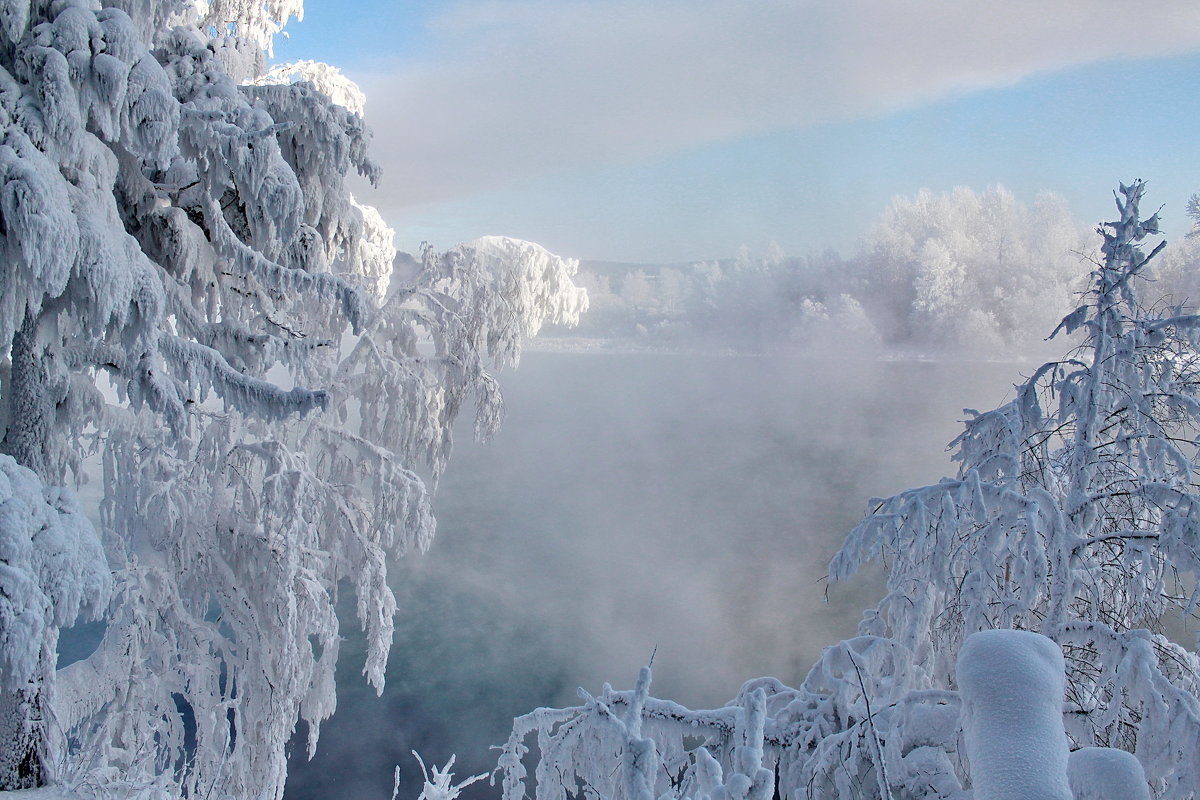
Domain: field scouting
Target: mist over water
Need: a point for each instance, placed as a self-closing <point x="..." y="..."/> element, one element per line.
<point x="632" y="504"/>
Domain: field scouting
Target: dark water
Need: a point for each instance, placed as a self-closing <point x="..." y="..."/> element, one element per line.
<point x="681" y="505"/>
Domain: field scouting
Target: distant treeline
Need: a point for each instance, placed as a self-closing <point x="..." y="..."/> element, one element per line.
<point x="973" y="273"/>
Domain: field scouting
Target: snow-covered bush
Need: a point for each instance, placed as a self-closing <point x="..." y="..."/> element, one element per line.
<point x="192" y="298"/>
<point x="1073" y="515"/>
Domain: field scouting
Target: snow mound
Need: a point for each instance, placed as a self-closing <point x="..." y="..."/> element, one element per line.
<point x="1012" y="690"/>
<point x="1099" y="773"/>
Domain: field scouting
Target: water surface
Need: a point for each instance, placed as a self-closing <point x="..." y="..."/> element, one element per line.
<point x="633" y="504"/>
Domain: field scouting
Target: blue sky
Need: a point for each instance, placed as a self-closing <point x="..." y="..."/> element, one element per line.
<point x="683" y="129"/>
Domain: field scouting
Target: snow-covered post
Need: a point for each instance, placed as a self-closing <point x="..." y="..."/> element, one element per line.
<point x="1012" y="690"/>
<point x="752" y="781"/>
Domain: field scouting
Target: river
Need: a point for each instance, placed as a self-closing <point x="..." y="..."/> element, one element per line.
<point x="637" y="504"/>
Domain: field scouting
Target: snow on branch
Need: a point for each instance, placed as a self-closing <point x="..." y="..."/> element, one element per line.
<point x="172" y="234"/>
<point x="199" y="367"/>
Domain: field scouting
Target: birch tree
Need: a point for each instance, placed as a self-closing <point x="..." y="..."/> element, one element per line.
<point x="193" y="299"/>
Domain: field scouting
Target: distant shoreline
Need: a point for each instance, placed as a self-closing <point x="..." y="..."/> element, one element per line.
<point x="587" y="345"/>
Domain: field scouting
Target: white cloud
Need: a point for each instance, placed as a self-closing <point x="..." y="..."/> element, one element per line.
<point x="520" y="89"/>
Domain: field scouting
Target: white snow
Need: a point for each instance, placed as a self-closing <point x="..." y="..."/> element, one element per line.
<point x="1012" y="690"/>
<point x="52" y="570"/>
<point x="177" y="234"/>
<point x="1105" y="773"/>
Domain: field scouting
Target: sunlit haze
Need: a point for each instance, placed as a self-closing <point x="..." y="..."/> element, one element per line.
<point x="679" y="131"/>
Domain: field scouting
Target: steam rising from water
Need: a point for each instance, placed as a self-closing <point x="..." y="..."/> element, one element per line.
<point x="687" y="504"/>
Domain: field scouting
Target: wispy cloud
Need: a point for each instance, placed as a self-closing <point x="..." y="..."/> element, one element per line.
<point x="517" y="89"/>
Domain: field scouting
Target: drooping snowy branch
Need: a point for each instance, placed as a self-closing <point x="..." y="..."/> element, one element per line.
<point x="194" y="297"/>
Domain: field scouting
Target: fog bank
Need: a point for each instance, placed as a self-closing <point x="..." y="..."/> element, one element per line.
<point x="634" y="504"/>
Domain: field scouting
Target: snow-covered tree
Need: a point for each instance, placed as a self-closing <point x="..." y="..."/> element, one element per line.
<point x="1176" y="272"/>
<point x="52" y="570"/>
<point x="970" y="270"/>
<point x="193" y="300"/>
<point x="1073" y="515"/>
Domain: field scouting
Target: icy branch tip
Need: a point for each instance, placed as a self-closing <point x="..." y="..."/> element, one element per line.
<point x="440" y="786"/>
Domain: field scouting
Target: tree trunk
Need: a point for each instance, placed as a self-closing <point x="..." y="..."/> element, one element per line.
<point x="29" y="408"/>
<point x="23" y="732"/>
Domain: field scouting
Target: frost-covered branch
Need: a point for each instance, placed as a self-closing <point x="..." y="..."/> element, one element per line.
<point x="173" y="235"/>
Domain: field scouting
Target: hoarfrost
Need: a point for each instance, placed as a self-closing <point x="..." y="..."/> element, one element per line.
<point x="189" y="242"/>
